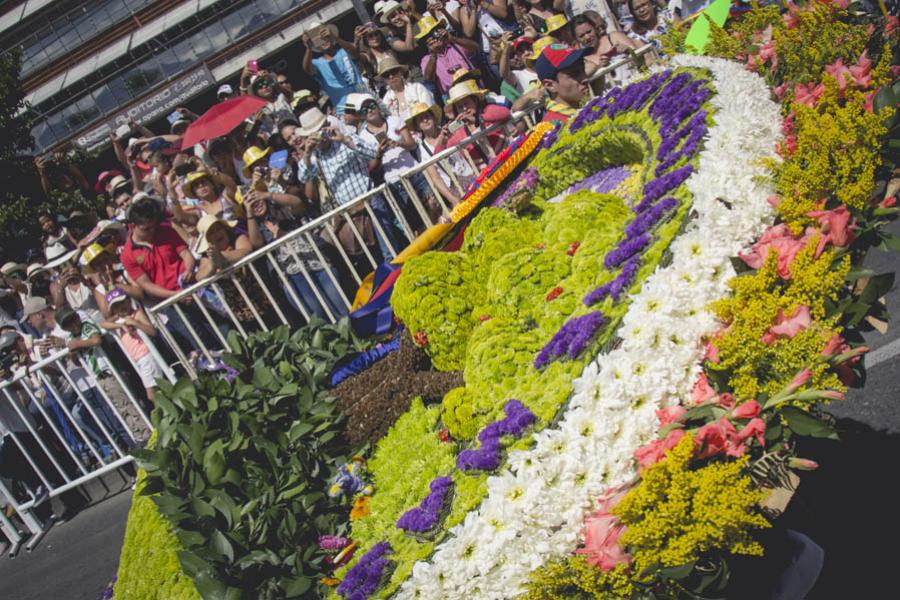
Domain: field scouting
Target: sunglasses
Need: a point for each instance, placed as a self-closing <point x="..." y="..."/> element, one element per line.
<point x="367" y="108"/>
<point x="264" y="83"/>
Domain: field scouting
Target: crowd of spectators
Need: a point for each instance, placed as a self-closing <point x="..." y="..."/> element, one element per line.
<point x="417" y="79"/>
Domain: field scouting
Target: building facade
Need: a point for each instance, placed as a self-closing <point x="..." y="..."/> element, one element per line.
<point x="89" y="66"/>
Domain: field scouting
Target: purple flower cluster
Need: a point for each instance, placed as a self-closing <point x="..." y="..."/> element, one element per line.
<point x="571" y="338"/>
<point x="487" y="457"/>
<point x="636" y="95"/>
<point x="628" y="247"/>
<point x="602" y="181"/>
<point x="669" y="153"/>
<point x="647" y="220"/>
<point x="527" y="179"/>
<point x="332" y="542"/>
<point x="425" y="517"/>
<point x="593" y="110"/>
<point x="663" y="185"/>
<point x="551" y="136"/>
<point x="365" y="577"/>
<point x="617" y="286"/>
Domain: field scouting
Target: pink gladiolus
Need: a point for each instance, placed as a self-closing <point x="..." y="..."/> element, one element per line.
<point x="655" y="451"/>
<point x="711" y="353"/>
<point x="747" y="410"/>
<point x="836" y="345"/>
<point x="869" y="105"/>
<point x="755" y="428"/>
<point x="774" y="200"/>
<point x="725" y="400"/>
<point x="783" y="242"/>
<point x="861" y="71"/>
<point x="718" y="438"/>
<point x="781" y="90"/>
<point x="833" y="395"/>
<point x="808" y="94"/>
<point x="702" y="392"/>
<point x="888" y="202"/>
<point x="891" y="24"/>
<point x="670" y="415"/>
<point x="788" y="327"/>
<point x="790" y="18"/>
<point x="836" y="225"/>
<point x="839" y="71"/>
<point x="602" y="532"/>
<point x="799" y="380"/>
<point x="804" y="464"/>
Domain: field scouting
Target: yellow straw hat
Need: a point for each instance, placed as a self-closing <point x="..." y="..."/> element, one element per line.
<point x="252" y="155"/>
<point x="191" y="179"/>
<point x="93" y="251"/>
<point x="462" y="73"/>
<point x="420" y="108"/>
<point x="206" y="223"/>
<point x="464" y="89"/>
<point x="426" y="25"/>
<point x="538" y="47"/>
<point x="556" y="22"/>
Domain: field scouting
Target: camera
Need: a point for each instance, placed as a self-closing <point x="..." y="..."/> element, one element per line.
<point x="455" y="126"/>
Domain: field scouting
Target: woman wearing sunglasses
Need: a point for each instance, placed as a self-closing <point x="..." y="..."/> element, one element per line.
<point x="265" y="86"/>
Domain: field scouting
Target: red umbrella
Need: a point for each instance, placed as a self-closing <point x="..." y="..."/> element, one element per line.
<point x="221" y="119"/>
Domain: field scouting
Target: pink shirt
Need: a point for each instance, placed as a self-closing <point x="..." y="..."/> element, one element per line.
<point x="133" y="344"/>
<point x="449" y="62"/>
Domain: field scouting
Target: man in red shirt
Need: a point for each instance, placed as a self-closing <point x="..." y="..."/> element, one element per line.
<point x="158" y="260"/>
<point x="155" y="256"/>
<point x="561" y="71"/>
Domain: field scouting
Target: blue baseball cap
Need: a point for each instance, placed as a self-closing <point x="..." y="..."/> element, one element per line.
<point x="555" y="58"/>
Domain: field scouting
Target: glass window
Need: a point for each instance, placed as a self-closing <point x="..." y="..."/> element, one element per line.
<point x="213" y="37"/>
<point x="105" y="99"/>
<point x="44" y="137"/>
<point x="139" y="79"/>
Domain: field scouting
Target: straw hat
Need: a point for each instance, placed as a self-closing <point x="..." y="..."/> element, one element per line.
<point x="426" y="25"/>
<point x="538" y="47"/>
<point x="384" y="9"/>
<point x="206" y="223"/>
<point x="420" y="108"/>
<point x="192" y="178"/>
<point x="252" y="155"/>
<point x="389" y="64"/>
<point x="556" y="22"/>
<point x="57" y="254"/>
<point x="464" y="89"/>
<point x="117" y="182"/>
<point x="299" y="96"/>
<point x="462" y="73"/>
<point x="311" y="122"/>
<point x="313" y="31"/>
<point x="32" y="270"/>
<point x="12" y="267"/>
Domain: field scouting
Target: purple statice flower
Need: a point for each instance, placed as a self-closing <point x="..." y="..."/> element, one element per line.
<point x="487" y="457"/>
<point x="617" y="286"/>
<point x="332" y="542"/>
<point x="663" y="99"/>
<point x="425" y="517"/>
<point x="602" y="181"/>
<point x="662" y="185"/>
<point x="625" y="249"/>
<point x="593" y="110"/>
<point x="550" y="137"/>
<point x="571" y="338"/>
<point x="527" y="179"/>
<point x="669" y="152"/>
<point x="685" y="105"/>
<point x="648" y="219"/>
<point x="365" y="577"/>
<point x="634" y="96"/>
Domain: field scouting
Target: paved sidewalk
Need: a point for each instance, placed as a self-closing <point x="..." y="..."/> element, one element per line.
<point x="74" y="561"/>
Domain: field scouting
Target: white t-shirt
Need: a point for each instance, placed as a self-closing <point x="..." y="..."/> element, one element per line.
<point x="396" y="160"/>
<point x="525" y="79"/>
<point x="412" y="92"/>
<point x="489" y="27"/>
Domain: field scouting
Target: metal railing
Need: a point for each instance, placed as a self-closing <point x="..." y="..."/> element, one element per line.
<point x="70" y="426"/>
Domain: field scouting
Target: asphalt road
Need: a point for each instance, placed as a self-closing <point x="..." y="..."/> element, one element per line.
<point x="74" y="561"/>
<point x="847" y="505"/>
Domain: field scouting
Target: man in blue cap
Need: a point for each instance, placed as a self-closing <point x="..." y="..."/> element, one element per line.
<point x="560" y="69"/>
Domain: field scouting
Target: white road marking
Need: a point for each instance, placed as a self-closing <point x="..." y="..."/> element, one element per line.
<point x="882" y="354"/>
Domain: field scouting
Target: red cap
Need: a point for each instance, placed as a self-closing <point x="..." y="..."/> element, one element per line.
<point x="555" y="58"/>
<point x="522" y="39"/>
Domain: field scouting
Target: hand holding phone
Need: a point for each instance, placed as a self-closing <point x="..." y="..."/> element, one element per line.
<point x="253" y="66"/>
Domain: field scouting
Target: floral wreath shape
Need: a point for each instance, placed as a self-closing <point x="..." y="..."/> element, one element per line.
<point x="658" y="122"/>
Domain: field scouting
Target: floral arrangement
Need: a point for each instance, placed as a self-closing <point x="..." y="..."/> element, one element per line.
<point x="667" y="364"/>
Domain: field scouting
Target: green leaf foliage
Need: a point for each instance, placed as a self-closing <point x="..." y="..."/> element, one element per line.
<point x="242" y="468"/>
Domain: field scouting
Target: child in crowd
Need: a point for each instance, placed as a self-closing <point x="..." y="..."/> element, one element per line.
<point x="128" y="322"/>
